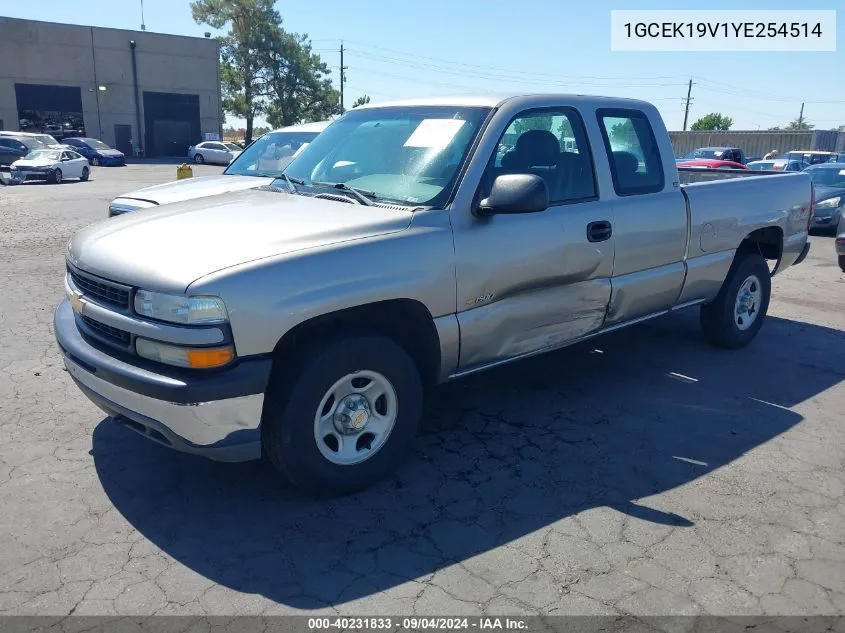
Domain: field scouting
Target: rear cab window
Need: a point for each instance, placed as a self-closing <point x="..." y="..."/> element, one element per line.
<point x="635" y="163"/>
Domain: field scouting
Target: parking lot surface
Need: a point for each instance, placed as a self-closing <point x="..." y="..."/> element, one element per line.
<point x="644" y="473"/>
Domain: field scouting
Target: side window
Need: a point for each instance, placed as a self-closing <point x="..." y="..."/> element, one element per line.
<point x="551" y="144"/>
<point x="635" y="163"/>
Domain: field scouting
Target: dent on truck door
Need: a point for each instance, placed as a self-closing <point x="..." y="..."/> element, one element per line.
<point x="529" y="282"/>
<point x="651" y="220"/>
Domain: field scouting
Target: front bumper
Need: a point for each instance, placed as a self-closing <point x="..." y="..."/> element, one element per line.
<point x="23" y="175"/>
<point x="112" y="161"/>
<point x="215" y="415"/>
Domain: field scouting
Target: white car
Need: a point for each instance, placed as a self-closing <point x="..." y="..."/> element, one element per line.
<point x="52" y="165"/>
<point x="214" y="152"/>
<point x="260" y="163"/>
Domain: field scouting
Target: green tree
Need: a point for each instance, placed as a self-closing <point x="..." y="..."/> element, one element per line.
<point x="798" y="126"/>
<point x="361" y="101"/>
<point x="623" y="135"/>
<point x="297" y="85"/>
<point x="713" y="121"/>
<point x="536" y="122"/>
<point x="253" y="28"/>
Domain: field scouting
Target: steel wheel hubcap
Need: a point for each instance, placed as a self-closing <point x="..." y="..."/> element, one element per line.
<point x="355" y="418"/>
<point x="748" y="301"/>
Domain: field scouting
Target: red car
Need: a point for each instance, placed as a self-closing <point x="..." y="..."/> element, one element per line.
<point x="710" y="163"/>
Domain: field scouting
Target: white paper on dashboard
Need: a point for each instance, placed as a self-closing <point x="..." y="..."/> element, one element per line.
<point x="434" y="133"/>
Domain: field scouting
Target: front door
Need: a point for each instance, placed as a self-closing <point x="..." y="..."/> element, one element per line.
<point x="527" y="283"/>
<point x="123" y="138"/>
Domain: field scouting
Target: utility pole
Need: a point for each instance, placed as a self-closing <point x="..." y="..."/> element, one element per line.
<point x="801" y="116"/>
<point x="342" y="77"/>
<point x="143" y="26"/>
<point x="686" y="109"/>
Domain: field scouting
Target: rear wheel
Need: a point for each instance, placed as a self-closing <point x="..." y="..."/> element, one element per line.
<point x="342" y="418"/>
<point x="198" y="159"/>
<point x="85" y="173"/>
<point x="735" y="316"/>
<point x="95" y="161"/>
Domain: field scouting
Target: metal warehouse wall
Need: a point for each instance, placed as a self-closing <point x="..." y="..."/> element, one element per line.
<point x="46" y="53"/>
<point x="755" y="143"/>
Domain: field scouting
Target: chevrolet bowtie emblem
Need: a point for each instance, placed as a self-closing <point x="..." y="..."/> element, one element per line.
<point x="77" y="303"/>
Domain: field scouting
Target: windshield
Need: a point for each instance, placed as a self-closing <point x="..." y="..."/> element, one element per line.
<point x="47" y="139"/>
<point x="828" y="176"/>
<point x="410" y="155"/>
<point x="705" y="153"/>
<point x="92" y="142"/>
<point x="807" y="158"/>
<point x="41" y="154"/>
<point x="270" y="154"/>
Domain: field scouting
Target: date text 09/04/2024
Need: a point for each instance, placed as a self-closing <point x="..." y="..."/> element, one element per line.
<point x="417" y="624"/>
<point x="724" y="29"/>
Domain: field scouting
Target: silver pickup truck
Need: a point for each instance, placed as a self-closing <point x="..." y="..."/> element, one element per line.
<point x="409" y="244"/>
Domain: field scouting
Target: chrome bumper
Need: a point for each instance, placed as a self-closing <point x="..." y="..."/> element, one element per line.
<point x="225" y="429"/>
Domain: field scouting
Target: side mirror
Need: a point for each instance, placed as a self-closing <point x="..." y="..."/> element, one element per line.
<point x="65" y="159"/>
<point x="515" y="193"/>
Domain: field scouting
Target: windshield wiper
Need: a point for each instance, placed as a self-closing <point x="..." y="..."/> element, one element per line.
<point x="363" y="196"/>
<point x="291" y="182"/>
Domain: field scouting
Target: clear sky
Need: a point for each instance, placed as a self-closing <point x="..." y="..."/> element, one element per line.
<point x="401" y="49"/>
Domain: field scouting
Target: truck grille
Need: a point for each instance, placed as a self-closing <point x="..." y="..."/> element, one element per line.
<point x="108" y="332"/>
<point x="101" y="290"/>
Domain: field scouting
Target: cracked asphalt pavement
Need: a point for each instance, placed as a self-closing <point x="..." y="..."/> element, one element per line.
<point x="643" y="473"/>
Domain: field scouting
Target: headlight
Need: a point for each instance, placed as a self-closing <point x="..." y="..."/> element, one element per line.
<point x="830" y="203"/>
<point x="180" y="309"/>
<point x="196" y="357"/>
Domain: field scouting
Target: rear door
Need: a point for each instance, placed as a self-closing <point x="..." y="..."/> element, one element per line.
<point x="650" y="217"/>
<point x="531" y="282"/>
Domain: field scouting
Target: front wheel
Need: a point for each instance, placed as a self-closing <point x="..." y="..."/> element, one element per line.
<point x="343" y="417"/>
<point x="842" y="262"/>
<point x="735" y="316"/>
<point x="56" y="177"/>
<point x="85" y="173"/>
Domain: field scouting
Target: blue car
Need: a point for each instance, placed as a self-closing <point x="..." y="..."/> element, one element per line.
<point x="97" y="152"/>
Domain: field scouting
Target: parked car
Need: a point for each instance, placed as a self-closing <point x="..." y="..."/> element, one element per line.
<point x="97" y="152"/>
<point x="13" y="148"/>
<point x="711" y="164"/>
<point x="838" y="158"/>
<point x="304" y="318"/>
<point x="262" y="161"/>
<point x="809" y="157"/>
<point x="733" y="154"/>
<point x="52" y="165"/>
<point x="829" y="181"/>
<point x="45" y="139"/>
<point x="213" y="152"/>
<point x="776" y="164"/>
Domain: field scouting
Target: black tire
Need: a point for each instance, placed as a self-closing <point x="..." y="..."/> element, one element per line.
<point x="55" y="177"/>
<point x="294" y="395"/>
<point x="719" y="320"/>
<point x="95" y="161"/>
<point x="198" y="159"/>
<point x="842" y="262"/>
<point x="85" y="174"/>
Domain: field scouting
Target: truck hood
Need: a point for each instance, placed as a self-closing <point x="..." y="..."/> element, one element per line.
<point x="199" y="187"/>
<point x="167" y="248"/>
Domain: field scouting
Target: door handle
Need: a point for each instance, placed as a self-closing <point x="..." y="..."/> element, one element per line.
<point x="599" y="231"/>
